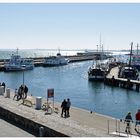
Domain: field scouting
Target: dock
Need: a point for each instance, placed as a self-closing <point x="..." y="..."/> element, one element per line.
<point x="81" y="123"/>
<point x="113" y="80"/>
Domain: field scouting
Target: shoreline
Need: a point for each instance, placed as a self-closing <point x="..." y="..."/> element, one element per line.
<point x="81" y="122"/>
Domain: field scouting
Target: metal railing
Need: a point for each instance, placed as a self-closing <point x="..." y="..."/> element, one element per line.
<point x="118" y="128"/>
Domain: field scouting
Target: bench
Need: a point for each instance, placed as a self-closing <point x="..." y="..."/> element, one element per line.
<point x="27" y="102"/>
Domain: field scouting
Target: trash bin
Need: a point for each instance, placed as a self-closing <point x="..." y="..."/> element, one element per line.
<point x="8" y="92"/>
<point x="38" y="102"/>
<point x="1" y="90"/>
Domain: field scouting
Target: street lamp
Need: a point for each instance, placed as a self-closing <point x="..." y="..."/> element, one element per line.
<point x="23" y="68"/>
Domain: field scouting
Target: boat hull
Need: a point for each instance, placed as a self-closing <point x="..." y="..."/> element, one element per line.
<point x="137" y="67"/>
<point x="10" y="69"/>
<point x="96" y="78"/>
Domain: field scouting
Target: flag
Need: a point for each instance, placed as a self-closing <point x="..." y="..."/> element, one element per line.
<point x="50" y="93"/>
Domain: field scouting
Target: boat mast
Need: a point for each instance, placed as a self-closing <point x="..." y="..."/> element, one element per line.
<point x="17" y="51"/>
<point x="130" y="54"/>
<point x="137" y="48"/>
<point x="101" y="48"/>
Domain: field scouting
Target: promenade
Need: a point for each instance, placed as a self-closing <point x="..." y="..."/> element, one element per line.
<point x="81" y="123"/>
<point x="9" y="130"/>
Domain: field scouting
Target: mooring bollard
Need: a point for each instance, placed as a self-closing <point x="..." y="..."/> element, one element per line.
<point x="41" y="131"/>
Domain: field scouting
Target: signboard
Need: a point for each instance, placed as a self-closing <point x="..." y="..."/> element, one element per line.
<point x="50" y="93"/>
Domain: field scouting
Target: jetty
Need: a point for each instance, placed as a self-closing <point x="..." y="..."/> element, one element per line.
<point x="113" y="80"/>
<point x="38" y="61"/>
<point x="81" y="123"/>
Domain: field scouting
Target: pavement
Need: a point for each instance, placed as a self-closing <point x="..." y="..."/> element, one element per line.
<point x="81" y="123"/>
<point x="9" y="130"/>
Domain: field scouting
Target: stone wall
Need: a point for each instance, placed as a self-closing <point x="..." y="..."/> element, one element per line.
<point x="28" y="125"/>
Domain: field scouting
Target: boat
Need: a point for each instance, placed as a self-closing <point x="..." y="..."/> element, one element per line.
<point x="136" y="60"/>
<point x="16" y="63"/>
<point x="129" y="71"/>
<point x="57" y="60"/>
<point x="97" y="71"/>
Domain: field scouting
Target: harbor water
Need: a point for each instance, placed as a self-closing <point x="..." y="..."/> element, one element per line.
<point x="70" y="81"/>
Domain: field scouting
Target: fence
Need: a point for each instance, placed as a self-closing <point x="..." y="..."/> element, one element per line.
<point x="118" y="128"/>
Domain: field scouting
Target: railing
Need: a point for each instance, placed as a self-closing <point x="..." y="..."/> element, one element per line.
<point x="119" y="127"/>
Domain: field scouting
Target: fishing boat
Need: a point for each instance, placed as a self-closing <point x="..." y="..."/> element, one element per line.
<point x="57" y="60"/>
<point x="16" y="63"/>
<point x="136" y="59"/>
<point x="98" y="69"/>
<point x="97" y="72"/>
<point x="129" y="71"/>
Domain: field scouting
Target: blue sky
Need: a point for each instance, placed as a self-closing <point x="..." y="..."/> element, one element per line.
<point x="69" y="25"/>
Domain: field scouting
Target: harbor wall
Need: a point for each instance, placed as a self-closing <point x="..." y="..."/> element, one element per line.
<point x="28" y="124"/>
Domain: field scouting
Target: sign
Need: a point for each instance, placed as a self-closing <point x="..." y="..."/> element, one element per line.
<point x="50" y="93"/>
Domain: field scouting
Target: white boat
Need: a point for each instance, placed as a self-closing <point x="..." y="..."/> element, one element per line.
<point x="57" y="60"/>
<point x="16" y="63"/>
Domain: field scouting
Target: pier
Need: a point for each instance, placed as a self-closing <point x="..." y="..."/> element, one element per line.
<point x="39" y="61"/>
<point x="81" y="123"/>
<point x="113" y="80"/>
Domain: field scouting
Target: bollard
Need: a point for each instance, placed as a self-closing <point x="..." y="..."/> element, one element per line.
<point x="8" y="92"/>
<point x="1" y="90"/>
<point x="41" y="131"/>
<point x="38" y="102"/>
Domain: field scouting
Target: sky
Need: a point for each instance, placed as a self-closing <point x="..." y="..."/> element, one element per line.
<point x="69" y="25"/>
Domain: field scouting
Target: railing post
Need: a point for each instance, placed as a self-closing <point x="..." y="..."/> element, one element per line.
<point x="116" y="125"/>
<point x="119" y="127"/>
<point x="108" y="125"/>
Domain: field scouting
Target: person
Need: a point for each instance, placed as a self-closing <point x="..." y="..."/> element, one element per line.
<point x="63" y="106"/>
<point x="137" y="116"/>
<point x="25" y="91"/>
<point x="68" y="107"/>
<point x="16" y="95"/>
<point x="19" y="93"/>
<point x="128" y="119"/>
<point x="3" y="84"/>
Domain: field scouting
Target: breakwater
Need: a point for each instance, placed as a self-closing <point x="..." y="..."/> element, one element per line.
<point x="38" y="61"/>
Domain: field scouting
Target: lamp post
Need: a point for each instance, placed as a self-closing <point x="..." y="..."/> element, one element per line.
<point x="23" y="68"/>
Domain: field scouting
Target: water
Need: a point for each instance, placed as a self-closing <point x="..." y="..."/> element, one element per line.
<point x="71" y="81"/>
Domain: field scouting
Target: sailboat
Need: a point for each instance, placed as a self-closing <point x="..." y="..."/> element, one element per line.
<point x="128" y="71"/>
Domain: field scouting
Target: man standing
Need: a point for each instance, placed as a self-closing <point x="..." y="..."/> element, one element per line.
<point x="137" y="116"/>
<point x="63" y="106"/>
<point x="68" y="107"/>
<point x="128" y="119"/>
